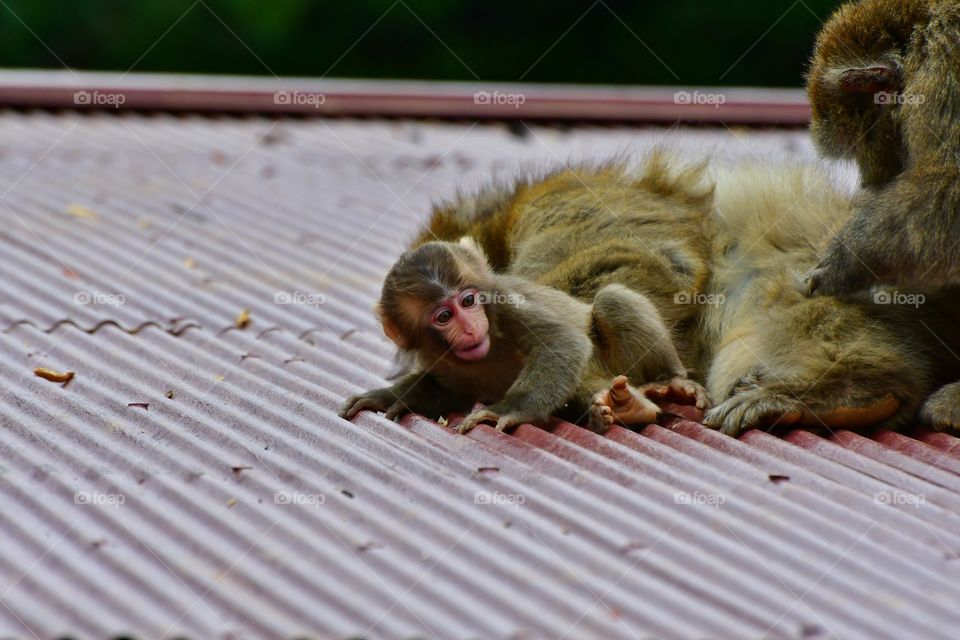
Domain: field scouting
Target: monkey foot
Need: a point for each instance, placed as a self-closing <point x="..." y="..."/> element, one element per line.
<point x="622" y="404"/>
<point x="680" y="390"/>
<point x="763" y="408"/>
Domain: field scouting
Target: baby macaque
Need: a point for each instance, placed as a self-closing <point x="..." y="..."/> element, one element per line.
<point x="524" y="349"/>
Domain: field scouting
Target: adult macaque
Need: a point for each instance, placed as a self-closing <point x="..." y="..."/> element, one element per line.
<point x="884" y="85"/>
<point x="526" y="349"/>
<point x="779" y="358"/>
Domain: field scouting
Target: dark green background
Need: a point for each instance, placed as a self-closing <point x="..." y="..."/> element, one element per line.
<point x="698" y="41"/>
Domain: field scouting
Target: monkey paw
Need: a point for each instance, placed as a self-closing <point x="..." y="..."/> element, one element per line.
<point x="377" y="400"/>
<point x="680" y="390"/>
<point x="758" y="408"/>
<point x="503" y="421"/>
<point x="623" y="404"/>
<point x="942" y="409"/>
<point x="829" y="279"/>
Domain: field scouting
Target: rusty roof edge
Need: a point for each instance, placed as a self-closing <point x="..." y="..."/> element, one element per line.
<point x="402" y="98"/>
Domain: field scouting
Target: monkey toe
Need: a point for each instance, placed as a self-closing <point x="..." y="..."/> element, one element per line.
<point x="601" y="418"/>
<point x="475" y="418"/>
<point x="812" y="282"/>
<point x="507" y="422"/>
<point x="359" y="403"/>
<point x="396" y="411"/>
<point x="942" y="409"/>
<point x="682" y="390"/>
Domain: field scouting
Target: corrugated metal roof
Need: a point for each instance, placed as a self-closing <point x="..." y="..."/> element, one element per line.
<point x="243" y="507"/>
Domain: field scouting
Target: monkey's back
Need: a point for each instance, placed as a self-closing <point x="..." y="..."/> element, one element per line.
<point x="581" y="229"/>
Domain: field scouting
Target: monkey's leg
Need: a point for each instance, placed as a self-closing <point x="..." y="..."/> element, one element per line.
<point x="834" y="371"/>
<point x="631" y="338"/>
<point x="942" y="409"/>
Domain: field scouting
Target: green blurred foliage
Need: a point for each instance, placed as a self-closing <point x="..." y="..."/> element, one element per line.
<point x="689" y="42"/>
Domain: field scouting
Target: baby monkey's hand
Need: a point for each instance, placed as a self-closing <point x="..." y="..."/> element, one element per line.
<point x="504" y="418"/>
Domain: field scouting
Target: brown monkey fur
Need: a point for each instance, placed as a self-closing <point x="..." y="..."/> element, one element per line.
<point x="884" y="85"/>
<point x="581" y="228"/>
<point x="780" y="358"/>
<point x="771" y="355"/>
<point x="530" y="348"/>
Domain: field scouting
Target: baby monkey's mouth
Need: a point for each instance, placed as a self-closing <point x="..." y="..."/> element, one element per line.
<point x="475" y="352"/>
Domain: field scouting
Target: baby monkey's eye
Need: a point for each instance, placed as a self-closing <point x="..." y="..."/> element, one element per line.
<point x="443" y="317"/>
<point x="468" y="299"/>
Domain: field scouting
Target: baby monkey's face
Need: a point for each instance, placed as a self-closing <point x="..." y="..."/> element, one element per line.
<point x="461" y="322"/>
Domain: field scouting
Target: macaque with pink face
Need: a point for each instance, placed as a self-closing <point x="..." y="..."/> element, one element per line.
<point x="525" y="350"/>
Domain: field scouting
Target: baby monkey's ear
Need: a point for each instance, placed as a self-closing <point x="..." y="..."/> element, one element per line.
<point x="390" y="329"/>
<point x="872" y="79"/>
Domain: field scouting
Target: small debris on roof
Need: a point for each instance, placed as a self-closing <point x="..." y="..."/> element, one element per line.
<point x="81" y="211"/>
<point x="70" y="273"/>
<point x="231" y="502"/>
<point x="349" y="494"/>
<point x="169" y="394"/>
<point x="243" y="319"/>
<point x="487" y="469"/>
<point x="239" y="468"/>
<point x="139" y="405"/>
<point x="190" y="263"/>
<point x="442" y="421"/>
<point x="776" y="478"/>
<point x="54" y="376"/>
